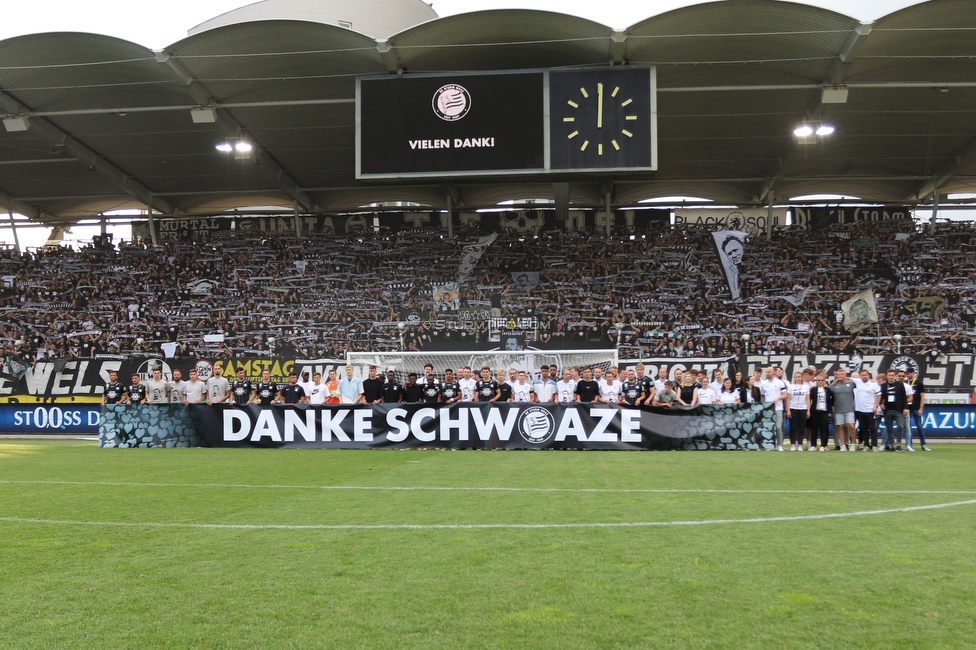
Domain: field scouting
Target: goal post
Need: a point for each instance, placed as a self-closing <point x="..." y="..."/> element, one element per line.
<point x="403" y="363"/>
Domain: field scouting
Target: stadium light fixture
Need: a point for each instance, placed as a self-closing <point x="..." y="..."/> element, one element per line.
<point x="15" y="123"/>
<point x="225" y="147"/>
<point x="243" y="147"/>
<point x="804" y="131"/>
<point x="203" y="115"/>
<point x="825" y="129"/>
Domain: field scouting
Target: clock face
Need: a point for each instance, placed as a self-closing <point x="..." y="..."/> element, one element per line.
<point x="600" y="119"/>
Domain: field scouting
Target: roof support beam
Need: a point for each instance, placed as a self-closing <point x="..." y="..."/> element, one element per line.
<point x="229" y="124"/>
<point x="13" y="205"/>
<point x="845" y="58"/>
<point x="56" y="136"/>
<point x="389" y="57"/>
<point x="618" y="46"/>
<point x="958" y="163"/>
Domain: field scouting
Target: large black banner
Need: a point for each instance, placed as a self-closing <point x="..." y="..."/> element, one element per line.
<point x="820" y="219"/>
<point x="458" y="426"/>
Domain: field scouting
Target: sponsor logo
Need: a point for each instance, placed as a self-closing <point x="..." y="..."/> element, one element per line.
<point x="451" y="102"/>
<point x="536" y="425"/>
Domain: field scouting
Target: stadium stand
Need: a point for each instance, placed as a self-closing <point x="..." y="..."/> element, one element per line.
<point x="323" y="295"/>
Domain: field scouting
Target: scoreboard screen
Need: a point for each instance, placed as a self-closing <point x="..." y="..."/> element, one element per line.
<point x="505" y="123"/>
<point x="450" y="124"/>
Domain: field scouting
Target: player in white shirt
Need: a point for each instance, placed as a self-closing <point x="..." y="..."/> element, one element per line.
<point x="706" y="395"/>
<point x="799" y="411"/>
<point x="194" y="391"/>
<point x="544" y="388"/>
<point x="662" y="376"/>
<point x="566" y="388"/>
<point x="156" y="388"/>
<point x="306" y="383"/>
<point x="717" y="383"/>
<point x="467" y="385"/>
<point x="522" y="389"/>
<point x="610" y="388"/>
<point x="218" y="388"/>
<point x="775" y="390"/>
<point x="316" y="392"/>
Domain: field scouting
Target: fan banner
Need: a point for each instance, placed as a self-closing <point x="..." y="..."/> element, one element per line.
<point x="860" y="311"/>
<point x="730" y="246"/>
<point x="458" y="426"/>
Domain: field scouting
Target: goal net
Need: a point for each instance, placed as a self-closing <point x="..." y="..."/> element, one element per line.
<point x="528" y="360"/>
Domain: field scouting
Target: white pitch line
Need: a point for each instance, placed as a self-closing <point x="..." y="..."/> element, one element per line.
<point x="648" y="524"/>
<point x="474" y="488"/>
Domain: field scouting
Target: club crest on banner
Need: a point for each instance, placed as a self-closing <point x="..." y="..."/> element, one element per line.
<point x="537" y="425"/>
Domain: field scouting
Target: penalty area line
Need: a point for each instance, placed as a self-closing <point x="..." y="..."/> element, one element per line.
<point x="339" y="527"/>
<point x="380" y="488"/>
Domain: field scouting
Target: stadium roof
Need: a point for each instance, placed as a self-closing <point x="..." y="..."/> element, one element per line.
<point x="110" y="121"/>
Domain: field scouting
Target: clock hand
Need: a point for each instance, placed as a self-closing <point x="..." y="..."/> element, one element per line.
<point x="599" y="106"/>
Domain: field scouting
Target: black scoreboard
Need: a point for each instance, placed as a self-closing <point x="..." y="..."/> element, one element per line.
<point x="518" y="122"/>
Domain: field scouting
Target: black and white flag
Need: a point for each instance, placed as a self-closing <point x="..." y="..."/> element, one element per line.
<point x="730" y="246"/>
<point x="471" y="253"/>
<point x="800" y="297"/>
<point x="525" y="279"/>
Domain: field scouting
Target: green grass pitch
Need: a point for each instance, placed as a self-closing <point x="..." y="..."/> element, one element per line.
<point x="90" y="558"/>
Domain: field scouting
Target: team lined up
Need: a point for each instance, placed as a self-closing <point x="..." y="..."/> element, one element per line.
<point x="807" y="407"/>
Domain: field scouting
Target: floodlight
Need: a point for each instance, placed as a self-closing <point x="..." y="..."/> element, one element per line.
<point x="825" y="129"/>
<point x="225" y="147"/>
<point x="804" y="131"/>
<point x="15" y="123"/>
<point x="242" y="147"/>
<point x="203" y="115"/>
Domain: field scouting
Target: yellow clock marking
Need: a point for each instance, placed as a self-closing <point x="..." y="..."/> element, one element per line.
<point x="585" y="143"/>
<point x="585" y="95"/>
<point x="615" y="145"/>
<point x="626" y="103"/>
<point x="599" y="150"/>
<point x="599" y="106"/>
<point x="627" y="133"/>
<point x="573" y="104"/>
<point x="631" y="118"/>
<point x="615" y="91"/>
<point x="569" y="119"/>
<point x="573" y="134"/>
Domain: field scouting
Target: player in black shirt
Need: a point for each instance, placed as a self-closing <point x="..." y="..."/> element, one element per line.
<point x="587" y="390"/>
<point x="450" y="391"/>
<point x="432" y="388"/>
<point x="392" y="391"/>
<point x="292" y="393"/>
<point x="504" y="388"/>
<point x="114" y="392"/>
<point x="646" y="385"/>
<point x="486" y="389"/>
<point x="242" y="391"/>
<point x="373" y="387"/>
<point x="136" y="393"/>
<point x="412" y="391"/>
<point x="265" y="390"/>
<point x="632" y="390"/>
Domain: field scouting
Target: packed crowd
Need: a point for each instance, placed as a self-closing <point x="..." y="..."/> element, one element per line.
<point x="317" y="297"/>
